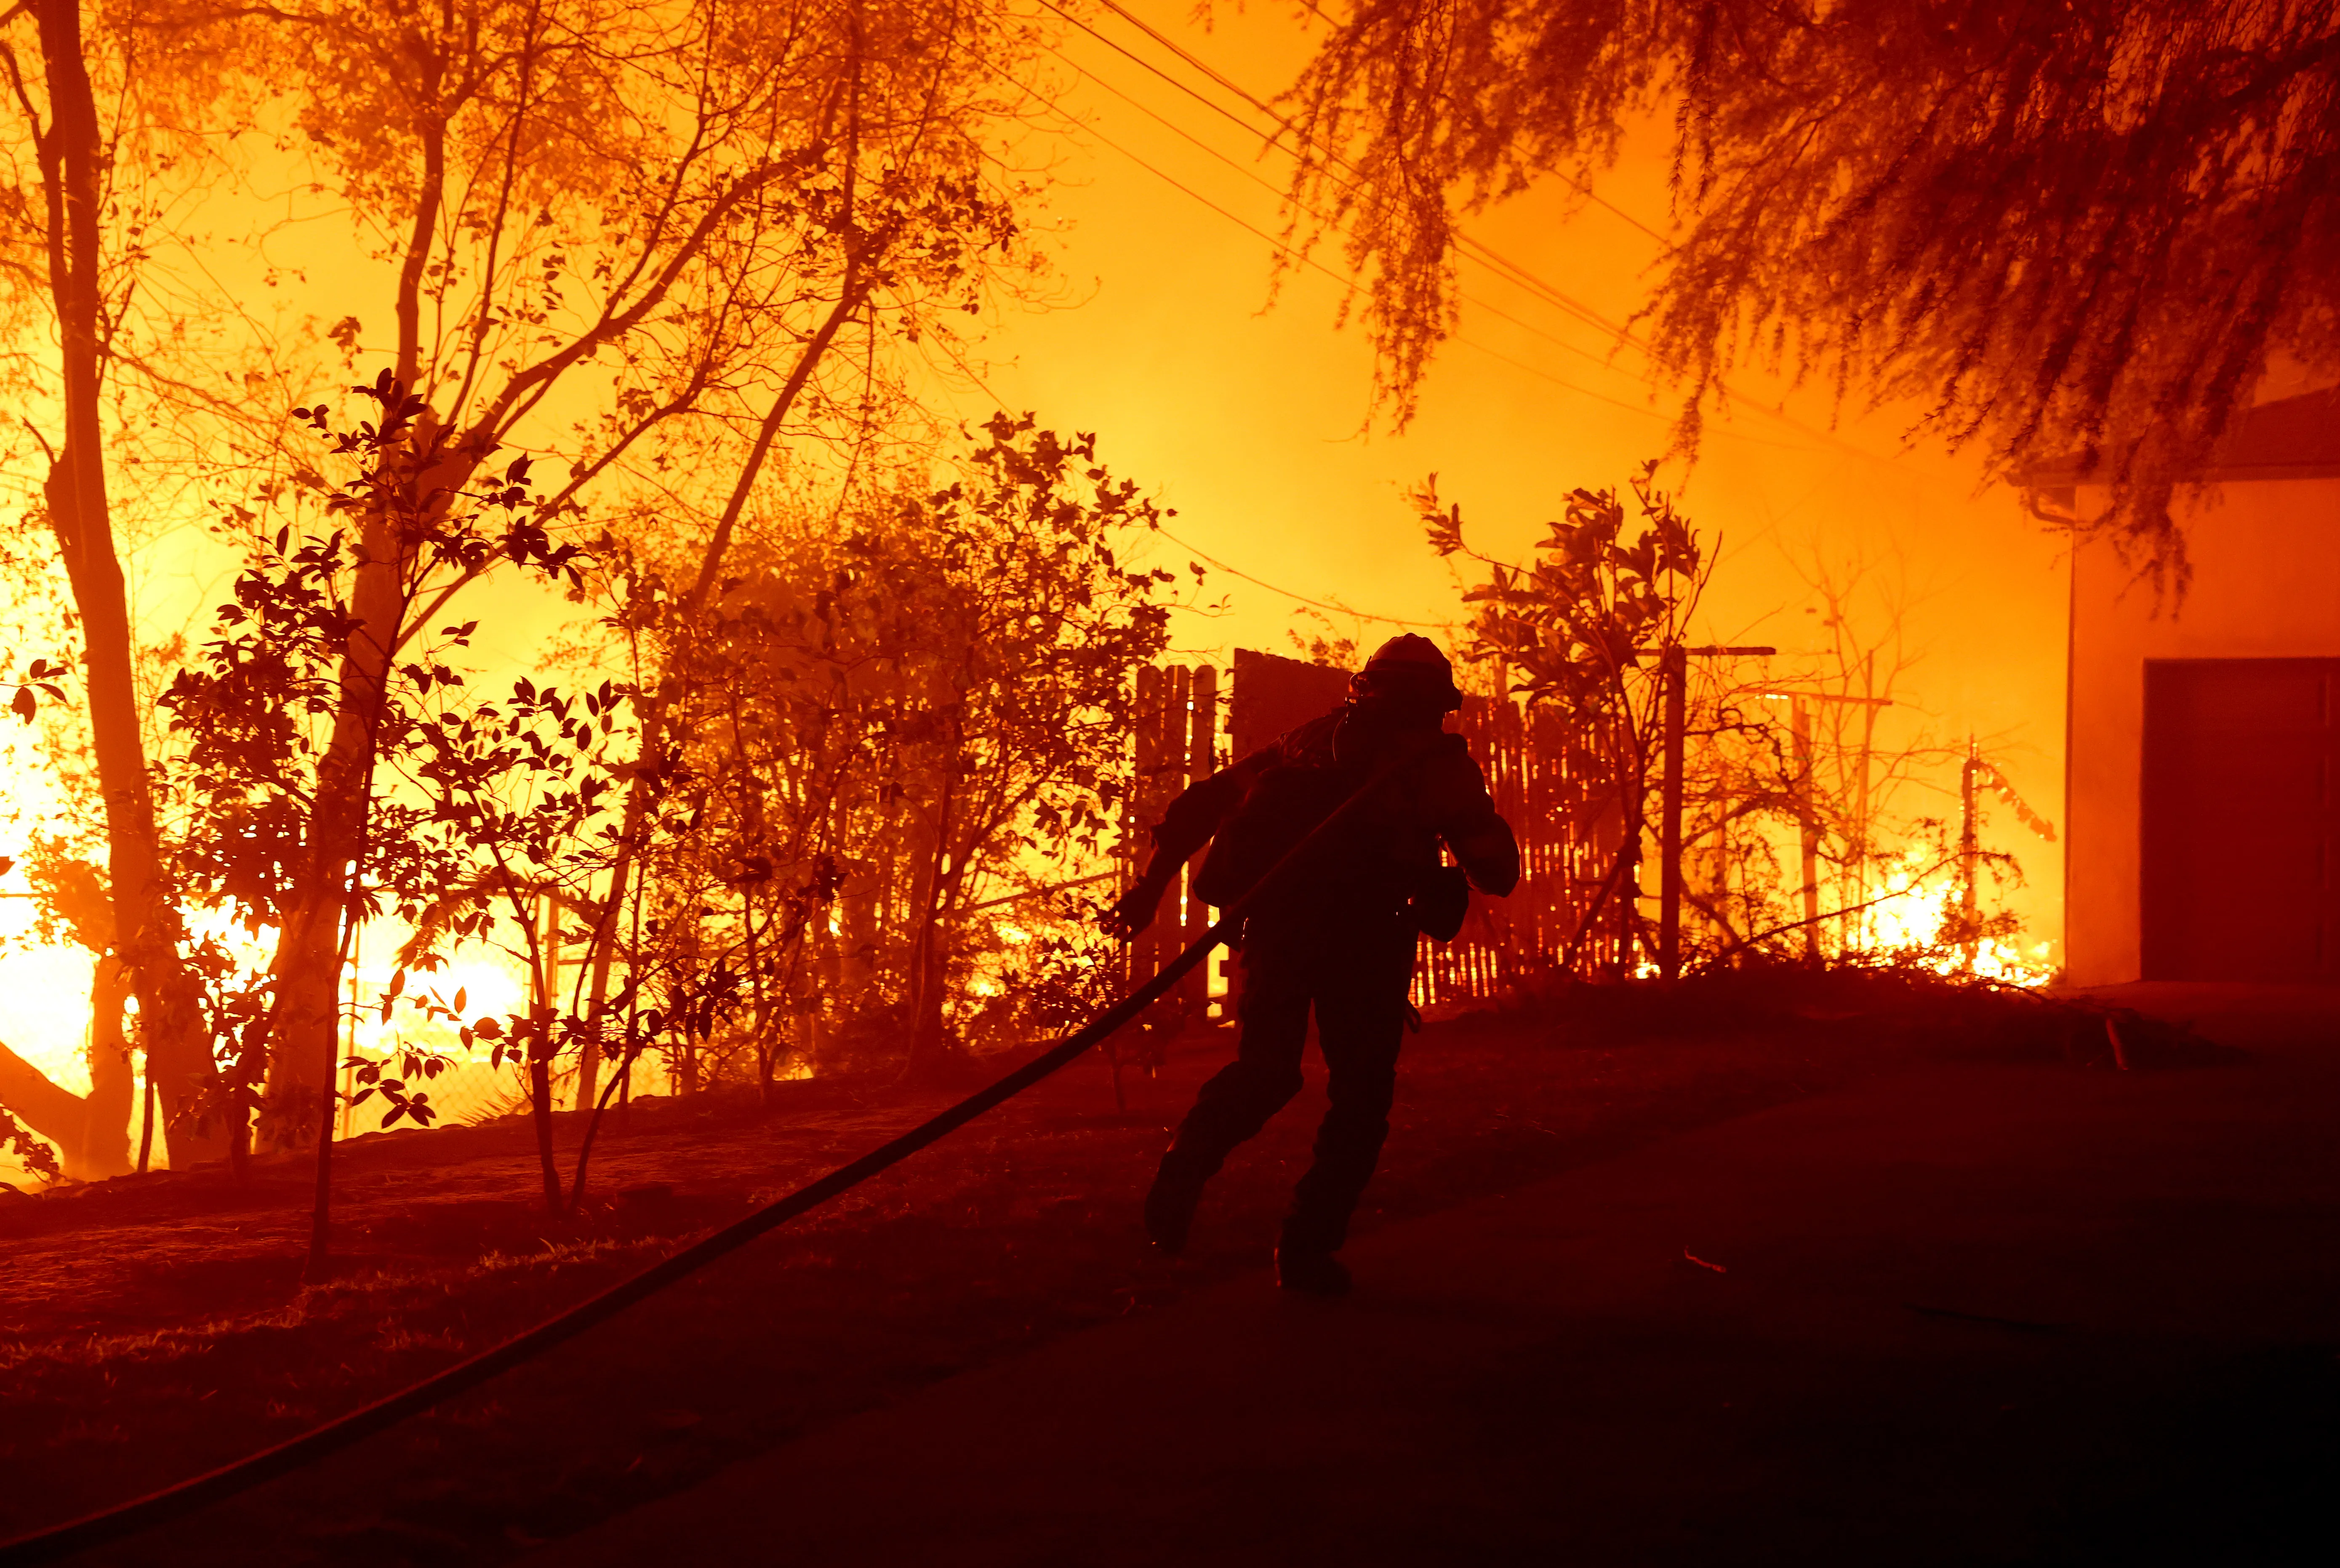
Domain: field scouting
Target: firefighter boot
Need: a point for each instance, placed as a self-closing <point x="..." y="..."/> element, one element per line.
<point x="1171" y="1202"/>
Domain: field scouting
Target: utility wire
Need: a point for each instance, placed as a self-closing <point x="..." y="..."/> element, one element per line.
<point x="1603" y="361"/>
<point x="1199" y="553"/>
<point x="1469" y="245"/>
<point x="1581" y="187"/>
<point x="1479" y="249"/>
<point x="1313" y="604"/>
<point x="1348" y="283"/>
<point x="1287" y="250"/>
<point x="1298" y="257"/>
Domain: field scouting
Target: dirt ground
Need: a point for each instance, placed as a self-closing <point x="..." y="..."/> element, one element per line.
<point x="153" y="1327"/>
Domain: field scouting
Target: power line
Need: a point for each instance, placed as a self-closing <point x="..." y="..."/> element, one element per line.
<point x="1518" y="274"/>
<point x="1293" y="253"/>
<point x="1313" y="604"/>
<point x="1332" y="606"/>
<point x="1351" y="285"/>
<point x="1582" y="188"/>
<point x="1309" y="262"/>
<point x="1479" y="248"/>
<point x="1204" y="555"/>
<point x="1201" y="555"/>
<point x="1476" y="250"/>
<point x="1175" y="129"/>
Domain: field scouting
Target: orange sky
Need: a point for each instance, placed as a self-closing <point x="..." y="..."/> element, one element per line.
<point x="1247" y="418"/>
<point x="1250" y="420"/>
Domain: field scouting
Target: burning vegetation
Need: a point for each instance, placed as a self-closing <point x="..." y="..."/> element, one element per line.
<point x="513" y="632"/>
<point x="827" y="752"/>
<point x="845" y="809"/>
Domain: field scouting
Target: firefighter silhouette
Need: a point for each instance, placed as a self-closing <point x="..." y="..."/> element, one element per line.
<point x="1334" y="932"/>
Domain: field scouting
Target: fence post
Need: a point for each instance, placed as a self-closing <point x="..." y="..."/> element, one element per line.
<point x="1673" y="672"/>
<point x="1968" y="903"/>
<point x="1799" y="725"/>
<point x="1201" y="737"/>
<point x="1144" y="802"/>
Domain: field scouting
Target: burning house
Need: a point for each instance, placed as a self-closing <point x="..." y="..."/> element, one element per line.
<point x="2201" y="731"/>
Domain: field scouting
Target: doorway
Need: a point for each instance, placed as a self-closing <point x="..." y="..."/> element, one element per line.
<point x="2239" y="820"/>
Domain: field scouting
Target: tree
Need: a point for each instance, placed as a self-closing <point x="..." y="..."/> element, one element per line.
<point x="1592" y="627"/>
<point x="719" y="198"/>
<point x="263" y="715"/>
<point x="887" y="722"/>
<point x="91" y="1131"/>
<point x="66" y="245"/>
<point x="1036" y="630"/>
<point x="781" y="695"/>
<point x="2069" y="228"/>
<point x="666" y="240"/>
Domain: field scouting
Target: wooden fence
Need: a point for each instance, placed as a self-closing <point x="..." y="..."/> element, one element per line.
<point x="1568" y="820"/>
<point x="1180" y="740"/>
<point x="1191" y="724"/>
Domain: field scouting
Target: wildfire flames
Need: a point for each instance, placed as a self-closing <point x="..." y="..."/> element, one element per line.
<point x="1916" y="919"/>
<point x="794" y="916"/>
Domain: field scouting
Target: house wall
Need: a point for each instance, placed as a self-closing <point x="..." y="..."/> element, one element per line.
<point x="2266" y="585"/>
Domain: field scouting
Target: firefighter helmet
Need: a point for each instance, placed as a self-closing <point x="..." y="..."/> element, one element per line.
<point x="1408" y="667"/>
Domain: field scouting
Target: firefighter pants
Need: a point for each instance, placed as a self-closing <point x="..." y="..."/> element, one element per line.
<point x="1355" y="979"/>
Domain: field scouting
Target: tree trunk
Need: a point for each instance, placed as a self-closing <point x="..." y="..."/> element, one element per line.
<point x="146" y="914"/>
<point x="540" y="1100"/>
<point x="308" y="964"/>
<point x="91" y="1131"/>
<point x="764" y="1006"/>
<point x="588" y="1055"/>
<point x="929" y="949"/>
<point x="56" y="1114"/>
<point x="653" y="710"/>
<point x="112" y="1085"/>
<point x="544" y="1039"/>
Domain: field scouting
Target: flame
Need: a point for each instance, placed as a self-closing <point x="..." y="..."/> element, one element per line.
<point x="44" y="1011"/>
<point x="44" y="993"/>
<point x="1912" y="917"/>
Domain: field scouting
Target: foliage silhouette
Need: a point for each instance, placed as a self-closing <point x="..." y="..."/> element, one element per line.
<point x="1583" y="628"/>
<point x="2070" y="229"/>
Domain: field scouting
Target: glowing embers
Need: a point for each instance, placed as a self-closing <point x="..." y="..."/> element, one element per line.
<point x="1915" y="919"/>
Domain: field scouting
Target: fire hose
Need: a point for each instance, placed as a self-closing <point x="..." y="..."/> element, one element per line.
<point x="175" y="1501"/>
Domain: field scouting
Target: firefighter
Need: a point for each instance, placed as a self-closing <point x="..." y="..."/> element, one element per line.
<point x="1335" y="933"/>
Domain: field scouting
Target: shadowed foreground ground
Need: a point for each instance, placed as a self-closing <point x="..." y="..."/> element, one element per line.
<point x="1976" y="1303"/>
<point x="1961" y="1312"/>
<point x="153" y="1327"/>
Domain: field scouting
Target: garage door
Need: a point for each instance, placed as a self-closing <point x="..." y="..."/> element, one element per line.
<point x="2239" y="820"/>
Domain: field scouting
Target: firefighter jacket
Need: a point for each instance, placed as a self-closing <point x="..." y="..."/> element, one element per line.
<point x="1381" y="858"/>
